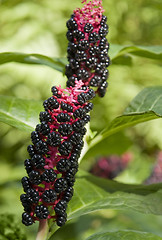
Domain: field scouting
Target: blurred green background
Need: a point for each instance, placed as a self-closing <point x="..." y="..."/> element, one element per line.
<point x="39" y="26"/>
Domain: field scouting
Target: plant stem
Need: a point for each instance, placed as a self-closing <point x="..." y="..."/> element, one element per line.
<point x="43" y="230"/>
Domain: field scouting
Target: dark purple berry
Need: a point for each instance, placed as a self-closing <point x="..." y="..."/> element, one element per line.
<point x="49" y="196"/>
<point x="88" y="28"/>
<point x="65" y="129"/>
<point x="63" y="117"/>
<point x="48" y="176"/>
<point x="41" y="211"/>
<point x="25" y="183"/>
<point x="83" y="45"/>
<point x="60" y="185"/>
<point x="32" y="195"/>
<point x="54" y="139"/>
<point x="27" y="219"/>
<point x="63" y="165"/>
<point x="65" y="148"/>
<point x="34" y="177"/>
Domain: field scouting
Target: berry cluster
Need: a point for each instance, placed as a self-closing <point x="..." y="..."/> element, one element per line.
<point x="58" y="139"/>
<point x="56" y="146"/>
<point x="110" y="166"/>
<point x="156" y="175"/>
<point x="87" y="50"/>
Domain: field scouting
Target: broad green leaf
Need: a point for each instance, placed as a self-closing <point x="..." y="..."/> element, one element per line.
<point x="39" y="59"/>
<point x="20" y="113"/>
<point x="124" y="235"/>
<point x="144" y="107"/>
<point x="118" y="52"/>
<point x="89" y="196"/>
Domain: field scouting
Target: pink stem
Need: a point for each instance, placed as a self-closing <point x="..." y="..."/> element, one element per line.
<point x="43" y="230"/>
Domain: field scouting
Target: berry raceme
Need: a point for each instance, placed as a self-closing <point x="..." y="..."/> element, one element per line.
<point x="54" y="152"/>
<point x="87" y="50"/>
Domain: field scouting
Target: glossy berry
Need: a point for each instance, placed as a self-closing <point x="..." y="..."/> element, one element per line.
<point x="53" y="139"/>
<point x="83" y="45"/>
<point x="44" y="128"/>
<point x="25" y="202"/>
<point x="38" y="161"/>
<point x="79" y="113"/>
<point x="88" y="28"/>
<point x="48" y="175"/>
<point x="60" y="185"/>
<point x="65" y="148"/>
<point x="65" y="129"/>
<point x="66" y="107"/>
<point x="54" y="91"/>
<point x="102" y="89"/>
<point x="82" y="98"/>
<point x="34" y="177"/>
<point x="41" y="211"/>
<point x="25" y="183"/>
<point x="45" y="117"/>
<point x="77" y="126"/>
<point x="88" y="107"/>
<point x="63" y="117"/>
<point x="71" y="24"/>
<point x="27" y="219"/>
<point x="35" y="137"/>
<point x="41" y="147"/>
<point x="32" y="195"/>
<point x="31" y="150"/>
<point x="28" y="165"/>
<point x="68" y="194"/>
<point x="61" y="220"/>
<point x="75" y="138"/>
<point x="60" y="207"/>
<point x="63" y="165"/>
<point x="49" y="196"/>
<point x="51" y="103"/>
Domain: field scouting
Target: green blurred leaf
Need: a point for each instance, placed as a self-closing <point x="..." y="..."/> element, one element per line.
<point x="92" y="194"/>
<point x="121" y="54"/>
<point x="116" y="146"/>
<point x="39" y="59"/>
<point x="10" y="229"/>
<point x="144" y="107"/>
<point x="19" y="113"/>
<point x="124" y="235"/>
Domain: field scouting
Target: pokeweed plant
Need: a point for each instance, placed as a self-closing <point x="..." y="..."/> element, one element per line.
<point x="58" y="140"/>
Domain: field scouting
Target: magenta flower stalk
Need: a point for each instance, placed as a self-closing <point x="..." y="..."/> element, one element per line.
<point x="53" y="163"/>
<point x="88" y="47"/>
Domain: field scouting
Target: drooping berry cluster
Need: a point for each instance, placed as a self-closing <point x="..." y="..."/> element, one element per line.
<point x="110" y="166"/>
<point x="156" y="175"/>
<point x="88" y="47"/>
<point x="56" y="146"/>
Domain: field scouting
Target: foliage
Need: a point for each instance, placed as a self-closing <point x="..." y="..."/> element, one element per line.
<point x="10" y="229"/>
<point x="135" y="74"/>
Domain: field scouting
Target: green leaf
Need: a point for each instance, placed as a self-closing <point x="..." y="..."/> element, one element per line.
<point x="39" y="59"/>
<point x="144" y="107"/>
<point x="124" y="235"/>
<point x="119" y="53"/>
<point x="19" y="113"/>
<point x="10" y="229"/>
<point x="91" y="194"/>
